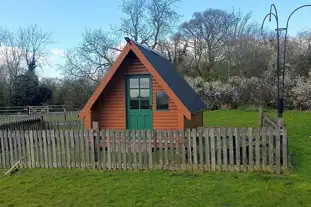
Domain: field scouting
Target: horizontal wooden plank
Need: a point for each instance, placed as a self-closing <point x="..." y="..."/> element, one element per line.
<point x="166" y="119"/>
<point x="117" y="114"/>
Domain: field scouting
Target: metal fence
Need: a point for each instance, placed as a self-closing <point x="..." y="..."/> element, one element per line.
<point x="208" y="149"/>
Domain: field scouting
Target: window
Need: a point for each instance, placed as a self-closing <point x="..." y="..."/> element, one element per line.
<point x="139" y="91"/>
<point x="162" y="100"/>
<point x="134" y="83"/>
<point x="134" y="101"/>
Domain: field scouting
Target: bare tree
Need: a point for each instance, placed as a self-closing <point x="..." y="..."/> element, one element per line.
<point x="3" y="35"/>
<point x="11" y="56"/>
<point x="11" y="59"/>
<point x="208" y="33"/>
<point x="93" y="57"/>
<point x="163" y="18"/>
<point x="249" y="54"/>
<point x="133" y="24"/>
<point x="34" y="42"/>
<point x="148" y="23"/>
<point x="174" y="48"/>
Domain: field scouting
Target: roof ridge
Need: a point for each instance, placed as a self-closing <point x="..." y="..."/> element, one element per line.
<point x="150" y="49"/>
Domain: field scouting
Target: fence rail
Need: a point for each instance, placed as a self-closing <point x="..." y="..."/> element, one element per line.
<point x="60" y="116"/>
<point x="210" y="149"/>
<point x="29" y="110"/>
<point x="33" y="123"/>
<point x="269" y="121"/>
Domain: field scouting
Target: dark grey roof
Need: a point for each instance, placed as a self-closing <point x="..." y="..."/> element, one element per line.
<point x="175" y="81"/>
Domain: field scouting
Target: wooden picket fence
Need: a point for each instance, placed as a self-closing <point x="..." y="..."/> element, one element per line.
<point x="34" y="123"/>
<point x="40" y="124"/>
<point x="208" y="149"/>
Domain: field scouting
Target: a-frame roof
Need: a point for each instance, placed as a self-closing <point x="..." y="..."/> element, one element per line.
<point x="165" y="74"/>
<point x="175" y="81"/>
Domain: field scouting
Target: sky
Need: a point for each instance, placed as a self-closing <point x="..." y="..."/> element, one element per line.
<point x="67" y="19"/>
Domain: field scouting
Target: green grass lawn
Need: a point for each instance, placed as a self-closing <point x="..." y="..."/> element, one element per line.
<point x="41" y="187"/>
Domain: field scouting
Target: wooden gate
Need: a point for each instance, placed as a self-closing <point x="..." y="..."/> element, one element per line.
<point x="38" y="110"/>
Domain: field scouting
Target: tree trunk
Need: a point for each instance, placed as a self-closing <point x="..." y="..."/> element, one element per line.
<point x="260" y="116"/>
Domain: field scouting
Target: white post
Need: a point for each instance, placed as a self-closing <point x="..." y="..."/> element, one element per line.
<point x="280" y="123"/>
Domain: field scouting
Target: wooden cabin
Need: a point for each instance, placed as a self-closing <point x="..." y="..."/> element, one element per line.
<point x="143" y="90"/>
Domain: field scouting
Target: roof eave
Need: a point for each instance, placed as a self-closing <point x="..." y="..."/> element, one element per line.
<point x="105" y="80"/>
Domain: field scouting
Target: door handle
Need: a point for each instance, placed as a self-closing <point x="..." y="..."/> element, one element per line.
<point x="150" y="107"/>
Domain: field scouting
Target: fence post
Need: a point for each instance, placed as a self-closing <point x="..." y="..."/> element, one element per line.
<point x="207" y="149"/>
<point x="140" y="158"/>
<point x="231" y="157"/>
<point x="32" y="151"/>
<point x="108" y="133"/>
<point x="68" y="148"/>
<point x="2" y="148"/>
<point x="213" y="152"/>
<point x="129" y="148"/>
<point x="257" y="149"/>
<point x="285" y="148"/>
<point x="271" y="154"/>
<point x="134" y="150"/>
<point x="149" y="135"/>
<point x="160" y="136"/>
<point x="54" y="160"/>
<point x="28" y="149"/>
<point x="72" y="148"/>
<point x="19" y="143"/>
<point x="124" y="136"/>
<point x="15" y="146"/>
<point x="264" y="149"/>
<point x="96" y="143"/>
<point x="250" y="150"/>
<point x="166" y="150"/>
<point x="177" y="135"/>
<point x="237" y="150"/>
<point x="182" y="136"/>
<point x="200" y="133"/>
<point x="113" y="149"/>
<point x="171" y="139"/>
<point x="87" y="148"/>
<point x="188" y="142"/>
<point x="10" y="137"/>
<point x="92" y="148"/>
<point x="219" y="149"/>
<point x="224" y="148"/>
<point x="278" y="151"/>
<point x="155" y="147"/>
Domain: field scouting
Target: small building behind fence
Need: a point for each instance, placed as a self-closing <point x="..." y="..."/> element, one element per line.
<point x="143" y="90"/>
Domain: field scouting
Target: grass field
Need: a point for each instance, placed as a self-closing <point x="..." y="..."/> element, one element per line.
<point x="92" y="188"/>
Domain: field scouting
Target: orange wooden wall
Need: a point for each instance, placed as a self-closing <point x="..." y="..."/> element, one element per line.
<point x="111" y="106"/>
<point x="163" y="119"/>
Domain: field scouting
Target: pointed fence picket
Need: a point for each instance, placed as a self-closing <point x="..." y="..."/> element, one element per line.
<point x="208" y="149"/>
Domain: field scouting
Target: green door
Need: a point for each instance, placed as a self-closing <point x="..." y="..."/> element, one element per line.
<point x="139" y="100"/>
